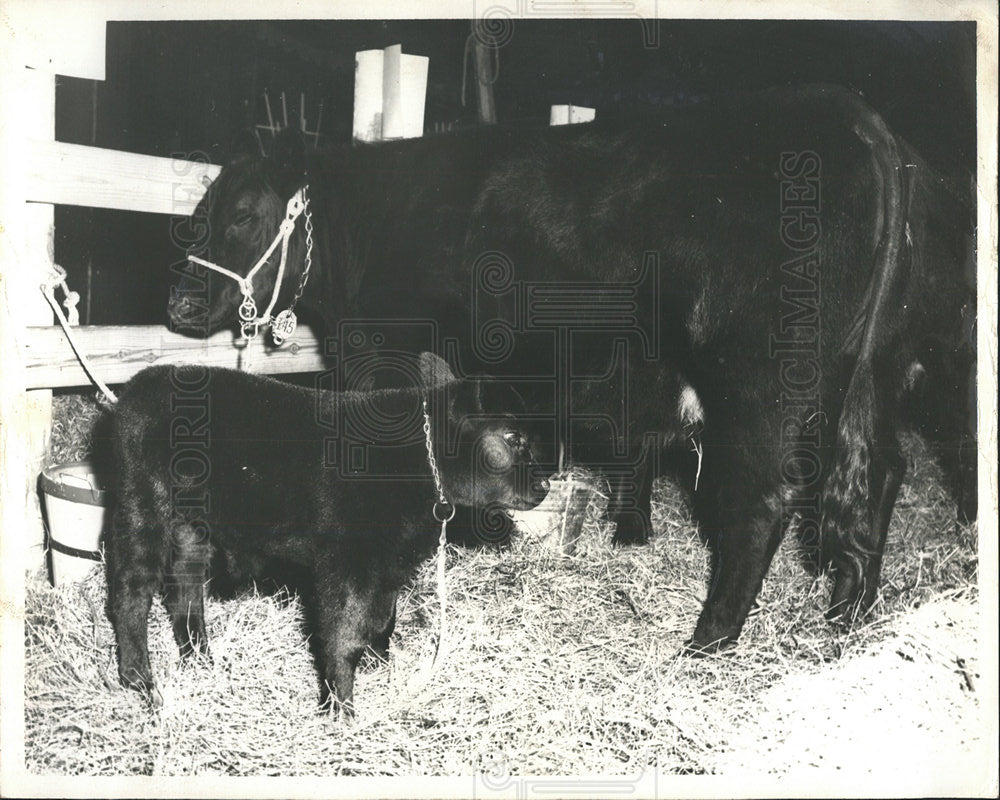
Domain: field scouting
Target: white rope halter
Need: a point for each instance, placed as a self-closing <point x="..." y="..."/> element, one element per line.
<point x="284" y="324"/>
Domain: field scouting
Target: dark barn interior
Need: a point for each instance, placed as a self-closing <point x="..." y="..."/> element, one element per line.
<point x="568" y="653"/>
<point x="193" y="89"/>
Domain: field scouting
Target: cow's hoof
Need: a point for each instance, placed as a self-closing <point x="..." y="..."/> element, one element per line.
<point x="344" y="712"/>
<point x="632" y="529"/>
<point x="197" y="651"/>
<point x="151" y="694"/>
<point x="844" y="614"/>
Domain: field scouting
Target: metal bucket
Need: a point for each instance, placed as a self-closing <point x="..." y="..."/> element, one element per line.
<point x="76" y="502"/>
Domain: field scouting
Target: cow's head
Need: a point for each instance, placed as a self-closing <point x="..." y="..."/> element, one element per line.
<point x="488" y="452"/>
<point x="237" y="220"/>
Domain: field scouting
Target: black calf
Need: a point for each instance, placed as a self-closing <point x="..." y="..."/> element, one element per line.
<point x="331" y="493"/>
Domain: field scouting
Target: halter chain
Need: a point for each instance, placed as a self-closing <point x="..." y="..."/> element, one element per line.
<point x="283" y="325"/>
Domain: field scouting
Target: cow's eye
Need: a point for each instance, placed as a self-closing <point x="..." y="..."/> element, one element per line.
<point x="243" y="219"/>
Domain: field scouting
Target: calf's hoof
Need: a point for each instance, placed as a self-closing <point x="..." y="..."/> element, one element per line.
<point x="373" y="658"/>
<point x="143" y="685"/>
<point x="340" y="711"/>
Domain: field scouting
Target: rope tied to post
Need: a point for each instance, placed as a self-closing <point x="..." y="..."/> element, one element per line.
<point x="57" y="277"/>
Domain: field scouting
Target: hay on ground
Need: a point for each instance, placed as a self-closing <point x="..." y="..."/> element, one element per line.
<point x="556" y="663"/>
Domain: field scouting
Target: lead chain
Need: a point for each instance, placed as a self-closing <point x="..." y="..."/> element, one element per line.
<point x="443" y="510"/>
<point x="443" y="517"/>
<point x="309" y="249"/>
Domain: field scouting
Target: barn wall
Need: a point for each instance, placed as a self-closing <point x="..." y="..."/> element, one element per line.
<point x="197" y="87"/>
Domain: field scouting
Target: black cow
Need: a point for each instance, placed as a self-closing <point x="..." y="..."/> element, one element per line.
<point x="784" y="256"/>
<point x="326" y="492"/>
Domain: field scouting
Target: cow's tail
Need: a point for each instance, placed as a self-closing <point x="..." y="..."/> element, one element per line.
<point x="849" y="497"/>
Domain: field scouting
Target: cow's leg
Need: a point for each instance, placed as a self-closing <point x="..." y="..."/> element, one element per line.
<point x="136" y="555"/>
<point x="941" y="404"/>
<point x="631" y="490"/>
<point x="858" y="563"/>
<point x="964" y="473"/>
<point x="185" y="586"/>
<point x="744" y="529"/>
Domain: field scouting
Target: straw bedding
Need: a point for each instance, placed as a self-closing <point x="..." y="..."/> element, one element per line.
<point x="554" y="664"/>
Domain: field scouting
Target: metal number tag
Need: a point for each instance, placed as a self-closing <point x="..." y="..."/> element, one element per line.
<point x="283" y="326"/>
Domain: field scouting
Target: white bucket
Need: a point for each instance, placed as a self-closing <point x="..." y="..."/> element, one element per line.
<point x="75" y="505"/>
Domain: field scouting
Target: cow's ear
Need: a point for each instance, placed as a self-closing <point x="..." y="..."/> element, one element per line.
<point x="434" y="371"/>
<point x="243" y="146"/>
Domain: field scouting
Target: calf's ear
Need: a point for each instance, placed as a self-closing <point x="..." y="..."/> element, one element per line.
<point x="498" y="397"/>
<point x="464" y="400"/>
<point x="484" y="397"/>
<point x="434" y="371"/>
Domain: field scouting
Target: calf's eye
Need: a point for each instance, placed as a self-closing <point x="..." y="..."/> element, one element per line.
<point x="513" y="438"/>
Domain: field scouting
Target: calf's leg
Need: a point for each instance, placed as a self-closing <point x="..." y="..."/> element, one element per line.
<point x="190" y="557"/>
<point x="380" y="641"/>
<point x="480" y="527"/>
<point x="136" y="560"/>
<point x="349" y="617"/>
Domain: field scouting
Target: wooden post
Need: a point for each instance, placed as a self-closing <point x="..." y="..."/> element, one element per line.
<point x="25" y="417"/>
<point x="485" y="75"/>
<point x="26" y="264"/>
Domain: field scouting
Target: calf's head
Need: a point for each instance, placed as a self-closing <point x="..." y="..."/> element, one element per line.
<point x="488" y="452"/>
<point x="233" y="226"/>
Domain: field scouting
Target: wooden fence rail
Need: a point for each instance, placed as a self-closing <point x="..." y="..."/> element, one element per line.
<point x="48" y="173"/>
<point x="116" y="353"/>
<point x="77" y="175"/>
